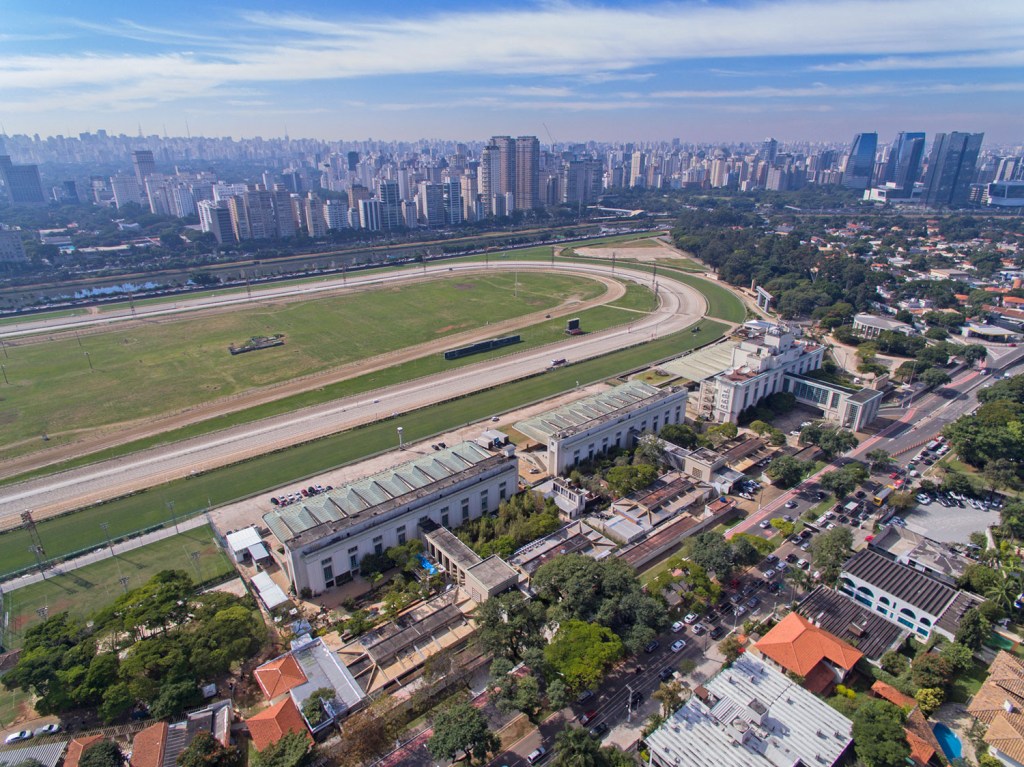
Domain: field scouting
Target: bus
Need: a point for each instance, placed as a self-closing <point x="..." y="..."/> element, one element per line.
<point x="881" y="496"/>
<point x="557" y="363"/>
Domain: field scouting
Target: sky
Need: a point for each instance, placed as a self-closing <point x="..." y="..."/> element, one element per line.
<point x="632" y="70"/>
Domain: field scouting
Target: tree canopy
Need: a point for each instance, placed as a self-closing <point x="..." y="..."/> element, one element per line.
<point x="462" y="729"/>
<point x="878" y="735"/>
<point x="581" y="652"/>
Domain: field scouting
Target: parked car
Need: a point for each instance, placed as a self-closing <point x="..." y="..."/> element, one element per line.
<point x="47" y="729"/>
<point x="666" y="673"/>
<point x="588" y="717"/>
<point x="790" y="505"/>
<point x="717" y="632"/>
<point x="598" y="729"/>
<point x="678" y="645"/>
<point x="584" y="696"/>
<point x="753" y="602"/>
<point x="653" y="645"/>
<point x="764" y="524"/>
<point x="678" y="626"/>
<point x="16" y="737"/>
<point x="768" y="574"/>
<point x="690" y="618"/>
<point x="536" y="755"/>
<point x="699" y="628"/>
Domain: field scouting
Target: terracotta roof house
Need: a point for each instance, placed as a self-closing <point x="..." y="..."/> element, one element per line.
<point x="270" y="725"/>
<point x="924" y="748"/>
<point x="148" y="746"/>
<point x="77" y="747"/>
<point x="894" y="696"/>
<point x="280" y="675"/>
<point x="1005" y="738"/>
<point x="1002" y="691"/>
<point x="798" y="646"/>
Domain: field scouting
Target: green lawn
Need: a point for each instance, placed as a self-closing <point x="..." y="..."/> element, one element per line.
<point x="152" y="369"/>
<point x="967" y="682"/>
<point x="11" y="704"/>
<point x="73" y="532"/>
<point x="84" y="591"/>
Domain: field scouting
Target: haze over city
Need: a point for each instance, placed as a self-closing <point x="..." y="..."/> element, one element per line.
<point x="602" y="71"/>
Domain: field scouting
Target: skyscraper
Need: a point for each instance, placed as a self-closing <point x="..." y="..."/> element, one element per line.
<point x="453" y="207"/>
<point x="23" y="184"/>
<point x="142" y="161"/>
<point x="769" y="150"/>
<point x="527" y="173"/>
<point x="390" y="204"/>
<point x="951" y="164"/>
<point x="506" y="164"/>
<point x="126" y="190"/>
<point x="860" y="164"/>
<point x="487" y="177"/>
<point x="904" y="165"/>
<point x="431" y="202"/>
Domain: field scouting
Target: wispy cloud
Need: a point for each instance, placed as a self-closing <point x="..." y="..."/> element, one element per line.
<point x="987" y="60"/>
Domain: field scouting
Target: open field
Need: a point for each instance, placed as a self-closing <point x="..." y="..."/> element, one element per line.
<point x="646" y="242"/>
<point x="90" y="588"/>
<point x="151" y="369"/>
<point x="636" y="299"/>
<point x="73" y="532"/>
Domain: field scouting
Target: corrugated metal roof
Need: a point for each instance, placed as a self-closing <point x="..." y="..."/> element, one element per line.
<point x="541" y="427"/>
<point x="356" y="497"/>
<point x="905" y="583"/>
<point x="47" y="754"/>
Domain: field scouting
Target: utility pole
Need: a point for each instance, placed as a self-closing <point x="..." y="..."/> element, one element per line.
<point x="629" y="703"/>
<point x="3" y="368"/>
<point x="3" y="348"/>
<point x="89" y="360"/>
<point x="170" y="508"/>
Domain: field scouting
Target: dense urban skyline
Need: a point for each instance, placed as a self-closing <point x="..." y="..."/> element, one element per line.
<point x="612" y="71"/>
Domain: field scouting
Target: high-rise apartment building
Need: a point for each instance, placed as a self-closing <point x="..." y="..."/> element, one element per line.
<point x="126" y="190"/>
<point x="430" y="198"/>
<point x="284" y="213"/>
<point x="390" y="205"/>
<point x="769" y="150"/>
<point x="453" y="207"/>
<point x="487" y="177"/>
<point x="336" y="214"/>
<point x="527" y="173"/>
<point x="24" y="187"/>
<point x="469" y="194"/>
<point x="860" y="163"/>
<point x="215" y="217"/>
<point x="951" y="165"/>
<point x="369" y="215"/>
<point x="142" y="161"/>
<point x="506" y="164"/>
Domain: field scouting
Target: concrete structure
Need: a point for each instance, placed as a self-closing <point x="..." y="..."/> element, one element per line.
<point x="480" y="578"/>
<point x="750" y="715"/>
<point x="326" y="537"/>
<point x="903" y="595"/>
<point x="247" y="545"/>
<point x="574" y="538"/>
<point x="611" y="419"/>
<point x="771" y="359"/>
<point x="797" y="646"/>
<point x="22" y="182"/>
<point x="764" y="298"/>
<point x="923" y="554"/>
<point x="12" y="249"/>
<point x="990" y="333"/>
<point x="870" y="326"/>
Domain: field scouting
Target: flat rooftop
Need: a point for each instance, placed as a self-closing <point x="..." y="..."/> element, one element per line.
<point x="906" y="544"/>
<point x="579" y="414"/>
<point x="702" y="363"/>
<point x="364" y="498"/>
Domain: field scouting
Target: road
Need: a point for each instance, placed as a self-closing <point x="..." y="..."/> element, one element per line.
<point x="679" y="306"/>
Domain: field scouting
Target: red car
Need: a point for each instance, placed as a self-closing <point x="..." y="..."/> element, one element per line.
<point x="588" y="717"/>
<point x="894" y="475"/>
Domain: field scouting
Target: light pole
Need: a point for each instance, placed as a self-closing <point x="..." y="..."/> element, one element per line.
<point x="401" y="441"/>
<point x="629" y="703"/>
<point x="4" y="369"/>
<point x="89" y="360"/>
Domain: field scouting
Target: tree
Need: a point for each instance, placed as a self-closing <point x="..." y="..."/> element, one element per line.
<point x="680" y="434"/>
<point x="117" y="701"/>
<point x="879" y="459"/>
<point x="978" y="578"/>
<point x="230" y="636"/>
<point x="929" y="699"/>
<point x="842" y="481"/>
<point x="721" y="432"/>
<point x="313" y="706"/>
<point x="558" y="695"/>
<point x="103" y="753"/>
<point x="175" y="697"/>
<point x="959" y="657"/>
<point x="576" y="747"/>
<point x="581" y="652"/>
<point x="878" y="735"/>
<point x="514" y="693"/>
<point x="462" y="728"/>
<point x="714" y="553"/>
<point x="649" y="451"/>
<point x="624" y="480"/>
<point x="731" y="648"/>
<point x="369" y="733"/>
<point x="671" y="695"/>
<point x="830" y="550"/>
<point x="161" y="602"/>
<point x="1001" y="473"/>
<point x="895" y="663"/>
<point x="786" y="471"/>
<point x="508" y="624"/>
<point x="830" y="439"/>
<point x="760" y="427"/>
<point x="292" y="750"/>
<point x="206" y="751"/>
<point x="1003" y="593"/>
<point x="930" y="669"/>
<point x="933" y="378"/>
<point x="955" y="482"/>
<point x="973" y="353"/>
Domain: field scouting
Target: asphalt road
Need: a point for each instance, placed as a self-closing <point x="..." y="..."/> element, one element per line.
<point x="679" y="306"/>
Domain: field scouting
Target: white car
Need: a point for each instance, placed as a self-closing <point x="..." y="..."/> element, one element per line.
<point x="678" y="645"/>
<point x="536" y="755"/>
<point x="15" y="737"/>
<point x="764" y="524"/>
<point x="47" y="729"/>
<point x="677" y="627"/>
<point x="690" y="618"/>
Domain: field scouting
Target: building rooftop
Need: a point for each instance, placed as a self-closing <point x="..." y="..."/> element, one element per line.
<point x="574" y="538"/>
<point x="322" y="669"/>
<point x="47" y="754"/>
<point x="882" y="323"/>
<point x="750" y="715"/>
<point x="576" y="416"/>
<point x="844" y="618"/>
<point x="78" y="746"/>
<point x="270" y="725"/>
<point x="278" y="676"/>
<point x="894" y="696"/>
<point x="493" y="571"/>
<point x="799" y="646"/>
<point x="375" y="495"/>
<point x="906" y="545"/>
<point x="1004" y="684"/>
<point x="382" y="651"/>
<point x="703" y="363"/>
<point x="463" y="556"/>
<point x="927" y="594"/>
<point x="148" y="746"/>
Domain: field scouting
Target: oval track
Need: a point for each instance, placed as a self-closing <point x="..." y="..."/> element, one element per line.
<point x="679" y="306"/>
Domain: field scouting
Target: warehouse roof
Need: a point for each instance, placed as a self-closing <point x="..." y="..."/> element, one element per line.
<point x="905" y="583"/>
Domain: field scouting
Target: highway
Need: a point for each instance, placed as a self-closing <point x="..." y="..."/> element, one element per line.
<point x="679" y="306"/>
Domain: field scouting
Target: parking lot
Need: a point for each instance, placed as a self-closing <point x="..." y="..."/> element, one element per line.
<point x="952" y="525"/>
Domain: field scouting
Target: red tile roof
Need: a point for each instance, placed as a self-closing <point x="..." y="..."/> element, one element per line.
<point x="891" y="694"/>
<point x="270" y="725"/>
<point x="280" y="675"/>
<point x="798" y="645"/>
<point x="77" y="747"/>
<point x="148" y="746"/>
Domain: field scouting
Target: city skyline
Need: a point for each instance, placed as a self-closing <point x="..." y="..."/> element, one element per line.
<point x="568" y="71"/>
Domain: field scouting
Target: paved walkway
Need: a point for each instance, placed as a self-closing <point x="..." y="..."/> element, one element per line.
<point x="106" y="552"/>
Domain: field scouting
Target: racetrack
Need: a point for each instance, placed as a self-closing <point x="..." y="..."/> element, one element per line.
<point x="679" y="306"/>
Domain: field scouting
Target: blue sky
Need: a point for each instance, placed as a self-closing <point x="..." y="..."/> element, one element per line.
<point x="630" y="70"/>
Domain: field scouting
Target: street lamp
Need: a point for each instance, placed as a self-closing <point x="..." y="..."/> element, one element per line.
<point x="401" y="443"/>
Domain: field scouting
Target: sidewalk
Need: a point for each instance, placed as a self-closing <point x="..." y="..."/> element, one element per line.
<point x="107" y="552"/>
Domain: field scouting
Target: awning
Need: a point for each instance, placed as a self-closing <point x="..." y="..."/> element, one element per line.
<point x="258" y="552"/>
<point x="270" y="593"/>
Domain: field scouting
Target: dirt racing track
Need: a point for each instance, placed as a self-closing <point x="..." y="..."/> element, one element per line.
<point x="679" y="306"/>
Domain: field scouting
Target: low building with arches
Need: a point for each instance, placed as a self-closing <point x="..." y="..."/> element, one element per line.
<point x="904" y="596"/>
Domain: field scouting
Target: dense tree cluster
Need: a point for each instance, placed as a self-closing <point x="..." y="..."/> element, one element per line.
<point x="520" y="519"/>
<point x="155" y="646"/>
<point x="992" y="439"/>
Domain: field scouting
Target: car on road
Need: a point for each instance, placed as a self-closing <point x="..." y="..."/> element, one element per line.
<point x="588" y="717"/>
<point x="653" y="645"/>
<point x="699" y="628"/>
<point x="599" y="729"/>
<point x="47" y="729"/>
<point x="678" y="645"/>
<point x="536" y="755"/>
<point x="584" y="696"/>
<point x="764" y="524"/>
<point x="690" y="618"/>
<point x="787" y="518"/>
<point x="666" y="673"/>
<point x="717" y="632"/>
<point x="678" y="626"/>
<point x="16" y="737"/>
<point x="790" y="505"/>
<point x="495" y="418"/>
